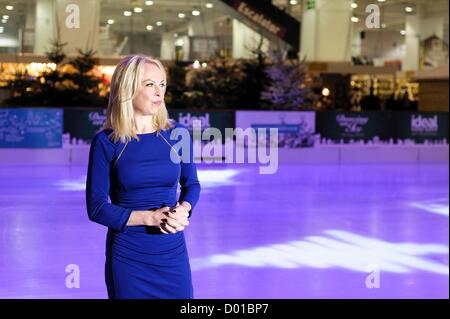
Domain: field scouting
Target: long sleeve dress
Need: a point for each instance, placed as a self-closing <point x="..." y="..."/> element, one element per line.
<point x="141" y="261"/>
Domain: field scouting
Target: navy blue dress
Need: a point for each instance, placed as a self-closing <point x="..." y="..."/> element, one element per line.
<point x="141" y="261"/>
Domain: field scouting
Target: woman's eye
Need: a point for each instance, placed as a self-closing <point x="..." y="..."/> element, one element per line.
<point x="151" y="84"/>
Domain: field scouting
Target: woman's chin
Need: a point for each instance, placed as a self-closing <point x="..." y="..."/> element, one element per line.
<point x="153" y="111"/>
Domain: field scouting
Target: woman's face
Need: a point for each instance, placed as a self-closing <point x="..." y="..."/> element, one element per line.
<point x="150" y="96"/>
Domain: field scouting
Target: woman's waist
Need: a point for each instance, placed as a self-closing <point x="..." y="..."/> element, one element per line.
<point x="143" y="199"/>
<point x="138" y="245"/>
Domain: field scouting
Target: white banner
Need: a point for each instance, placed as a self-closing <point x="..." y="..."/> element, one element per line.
<point x="295" y="128"/>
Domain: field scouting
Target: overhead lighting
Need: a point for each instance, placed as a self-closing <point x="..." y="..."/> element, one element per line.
<point x="2" y="29"/>
<point x="325" y="92"/>
<point x="181" y="15"/>
<point x="138" y="10"/>
<point x="354" y="5"/>
<point x="402" y="32"/>
<point x="204" y="64"/>
<point x="196" y="64"/>
<point x="6" y="17"/>
<point x="110" y="21"/>
<point x="9" y="8"/>
<point x="293" y="2"/>
<point x="4" y="20"/>
<point x="127" y="13"/>
<point x="354" y="19"/>
<point x="209" y="5"/>
<point x="409" y="9"/>
<point x="159" y="23"/>
<point x="383" y="25"/>
<point x="149" y="27"/>
<point x="148" y="3"/>
<point x="195" y="12"/>
<point x="381" y="0"/>
<point x="179" y="42"/>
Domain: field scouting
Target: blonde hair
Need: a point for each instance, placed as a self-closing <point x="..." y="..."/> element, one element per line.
<point x="125" y="84"/>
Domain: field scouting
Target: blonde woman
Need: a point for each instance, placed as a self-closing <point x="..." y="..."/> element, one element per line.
<point x="130" y="161"/>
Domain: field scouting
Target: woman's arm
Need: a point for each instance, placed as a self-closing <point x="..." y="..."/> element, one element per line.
<point x="139" y="218"/>
<point x="97" y="189"/>
<point x="148" y="217"/>
<point x="190" y="186"/>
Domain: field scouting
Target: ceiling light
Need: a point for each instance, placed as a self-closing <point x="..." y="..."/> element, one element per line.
<point x="195" y="12"/>
<point x="354" y="19"/>
<point x="209" y="5"/>
<point x="149" y="27"/>
<point x="138" y="10"/>
<point x="110" y="21"/>
<point x="9" y="8"/>
<point x="354" y="5"/>
<point x="127" y="13"/>
<point x="181" y="15"/>
<point x="159" y="23"/>
<point x="148" y="3"/>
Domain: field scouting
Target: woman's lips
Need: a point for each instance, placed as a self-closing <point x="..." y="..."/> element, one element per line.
<point x="158" y="103"/>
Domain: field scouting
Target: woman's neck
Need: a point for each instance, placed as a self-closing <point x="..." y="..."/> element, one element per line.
<point x="144" y="124"/>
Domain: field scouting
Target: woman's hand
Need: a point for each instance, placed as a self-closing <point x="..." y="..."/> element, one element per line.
<point x="176" y="219"/>
<point x="169" y="220"/>
<point x="184" y="208"/>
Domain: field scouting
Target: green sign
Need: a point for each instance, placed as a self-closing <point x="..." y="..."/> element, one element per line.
<point x="83" y="123"/>
<point x="347" y="126"/>
<point x="420" y="127"/>
<point x="371" y="126"/>
<point x="219" y="119"/>
<point x="310" y="4"/>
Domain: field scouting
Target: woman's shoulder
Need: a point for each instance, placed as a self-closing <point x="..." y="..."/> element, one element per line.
<point x="104" y="137"/>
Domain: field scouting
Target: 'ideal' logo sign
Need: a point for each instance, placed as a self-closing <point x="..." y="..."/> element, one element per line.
<point x="187" y="120"/>
<point x="420" y="124"/>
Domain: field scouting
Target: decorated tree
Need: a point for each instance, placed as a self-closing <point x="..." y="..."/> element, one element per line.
<point x="21" y="89"/>
<point x="73" y="83"/>
<point x="56" y="52"/>
<point x="82" y="82"/>
<point x="176" y="77"/>
<point x="28" y="90"/>
<point x="255" y="77"/>
<point x="218" y="85"/>
<point x="286" y="89"/>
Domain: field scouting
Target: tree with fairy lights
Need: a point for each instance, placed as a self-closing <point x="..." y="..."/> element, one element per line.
<point x="286" y="89"/>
